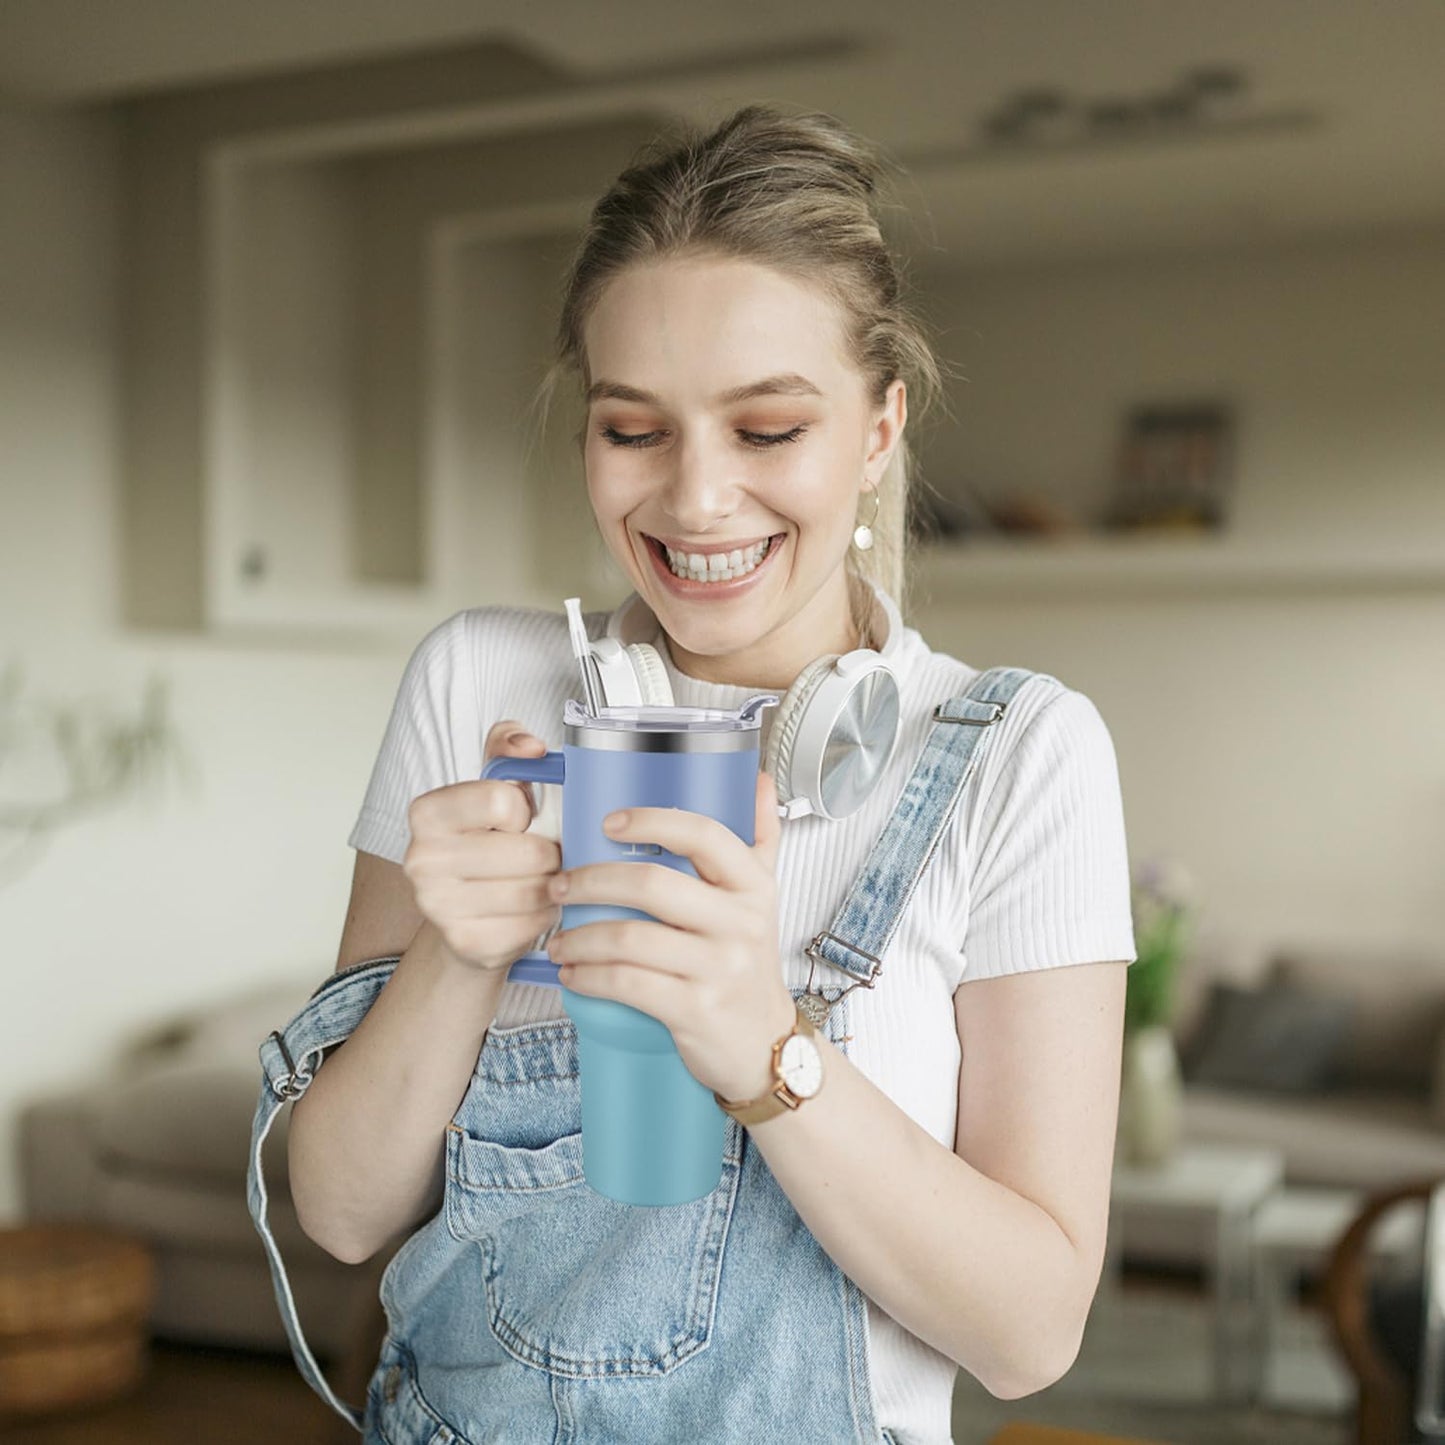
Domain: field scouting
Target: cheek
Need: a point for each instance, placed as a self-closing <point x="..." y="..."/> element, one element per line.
<point x="821" y="494"/>
<point x="612" y="487"/>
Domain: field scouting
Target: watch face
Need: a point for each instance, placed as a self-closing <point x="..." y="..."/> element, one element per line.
<point x="802" y="1066"/>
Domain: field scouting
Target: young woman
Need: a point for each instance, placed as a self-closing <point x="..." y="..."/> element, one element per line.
<point x="940" y="1201"/>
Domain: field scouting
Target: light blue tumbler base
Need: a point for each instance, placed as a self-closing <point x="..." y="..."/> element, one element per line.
<point x="651" y="1134"/>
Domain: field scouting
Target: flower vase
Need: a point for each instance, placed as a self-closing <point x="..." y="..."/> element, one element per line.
<point x="1150" y="1095"/>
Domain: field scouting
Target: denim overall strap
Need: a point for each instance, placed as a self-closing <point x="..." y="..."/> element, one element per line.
<point x="860" y="930"/>
<point x="289" y="1059"/>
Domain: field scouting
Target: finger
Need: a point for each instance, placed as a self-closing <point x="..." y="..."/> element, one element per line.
<point x="509" y="739"/>
<point x="488" y="897"/>
<point x="717" y="853"/>
<point x="668" y="894"/>
<point x="639" y="941"/>
<point x="485" y="855"/>
<point x="662" y="996"/>
<point x="767" y="827"/>
<point x="471" y="806"/>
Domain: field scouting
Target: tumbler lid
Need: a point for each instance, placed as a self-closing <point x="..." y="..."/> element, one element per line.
<point x="652" y="729"/>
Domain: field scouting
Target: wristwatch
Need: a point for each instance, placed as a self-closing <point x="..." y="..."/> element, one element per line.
<point x="797" y="1070"/>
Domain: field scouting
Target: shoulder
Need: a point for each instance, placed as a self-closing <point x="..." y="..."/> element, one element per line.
<point x="498" y="637"/>
<point x="1048" y="725"/>
<point x="938" y="675"/>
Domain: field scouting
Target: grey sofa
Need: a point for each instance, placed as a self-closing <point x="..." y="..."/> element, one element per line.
<point x="157" y="1147"/>
<point x="1381" y="1117"/>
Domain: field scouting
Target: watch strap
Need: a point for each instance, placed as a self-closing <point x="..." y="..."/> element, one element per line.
<point x="780" y="1097"/>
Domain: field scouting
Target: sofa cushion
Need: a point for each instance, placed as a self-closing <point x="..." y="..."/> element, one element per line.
<point x="1277" y="1038"/>
<point x="1356" y="1140"/>
<point x="1213" y="953"/>
<point x="184" y="1097"/>
<point x="188" y="1121"/>
<point x="228" y="1032"/>
<point x="1400" y="1009"/>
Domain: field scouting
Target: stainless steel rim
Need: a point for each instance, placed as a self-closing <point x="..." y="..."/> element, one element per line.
<point x="641" y="740"/>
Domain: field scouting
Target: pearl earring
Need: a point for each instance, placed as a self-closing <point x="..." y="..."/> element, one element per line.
<point x="863" y="532"/>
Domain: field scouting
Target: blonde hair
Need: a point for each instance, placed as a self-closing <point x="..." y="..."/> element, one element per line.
<point x="797" y="193"/>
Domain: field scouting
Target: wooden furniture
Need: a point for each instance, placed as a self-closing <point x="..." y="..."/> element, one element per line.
<point x="1020" y="1432"/>
<point x="1295" y="1229"/>
<point x="1385" y="1409"/>
<point x="1216" y="1188"/>
<point x="73" y="1308"/>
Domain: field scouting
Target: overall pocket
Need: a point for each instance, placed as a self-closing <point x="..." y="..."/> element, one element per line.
<point x="578" y="1284"/>
<point x="397" y="1413"/>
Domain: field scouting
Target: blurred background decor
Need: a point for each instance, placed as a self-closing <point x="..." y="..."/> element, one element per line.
<point x="1174" y="469"/>
<point x="277" y="285"/>
<point x="77" y="758"/>
<point x="1150" y="1085"/>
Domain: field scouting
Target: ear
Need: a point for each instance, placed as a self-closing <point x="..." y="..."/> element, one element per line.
<point x="886" y="432"/>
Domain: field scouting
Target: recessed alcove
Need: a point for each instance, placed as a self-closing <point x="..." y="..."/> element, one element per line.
<point x="336" y="335"/>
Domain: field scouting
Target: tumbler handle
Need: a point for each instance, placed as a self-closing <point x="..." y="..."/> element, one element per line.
<point x="549" y="768"/>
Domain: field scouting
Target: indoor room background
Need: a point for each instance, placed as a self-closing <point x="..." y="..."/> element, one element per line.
<point x="270" y="325"/>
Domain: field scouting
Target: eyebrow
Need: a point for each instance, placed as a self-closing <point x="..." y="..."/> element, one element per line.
<point x="786" y="384"/>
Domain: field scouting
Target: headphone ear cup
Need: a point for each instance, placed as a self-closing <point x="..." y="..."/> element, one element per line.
<point x="778" y="756"/>
<point x="652" y="676"/>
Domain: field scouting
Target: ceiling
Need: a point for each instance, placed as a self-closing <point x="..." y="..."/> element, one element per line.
<point x="1337" y="130"/>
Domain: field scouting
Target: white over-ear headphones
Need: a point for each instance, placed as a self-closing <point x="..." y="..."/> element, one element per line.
<point x="833" y="734"/>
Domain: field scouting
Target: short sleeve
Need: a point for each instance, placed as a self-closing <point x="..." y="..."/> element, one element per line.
<point x="435" y="705"/>
<point x="1051" y="884"/>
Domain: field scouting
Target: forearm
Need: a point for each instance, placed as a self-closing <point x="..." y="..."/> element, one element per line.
<point x="979" y="1272"/>
<point x="365" y="1147"/>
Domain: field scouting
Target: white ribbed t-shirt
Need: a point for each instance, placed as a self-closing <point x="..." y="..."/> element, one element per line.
<point x="1032" y="871"/>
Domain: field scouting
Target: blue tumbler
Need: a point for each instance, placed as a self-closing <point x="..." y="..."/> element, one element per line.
<point x="651" y="1134"/>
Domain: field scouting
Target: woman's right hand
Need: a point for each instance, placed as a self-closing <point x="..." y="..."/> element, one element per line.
<point x="480" y="878"/>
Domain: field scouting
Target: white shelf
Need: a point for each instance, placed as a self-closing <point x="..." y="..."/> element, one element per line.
<point x="1091" y="564"/>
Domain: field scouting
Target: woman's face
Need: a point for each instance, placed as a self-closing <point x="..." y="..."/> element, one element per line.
<point x="725" y="423"/>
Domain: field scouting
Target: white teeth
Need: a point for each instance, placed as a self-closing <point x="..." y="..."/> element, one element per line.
<point x="717" y="566"/>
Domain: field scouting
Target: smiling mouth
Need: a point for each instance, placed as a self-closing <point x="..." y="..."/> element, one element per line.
<point x="713" y="567"/>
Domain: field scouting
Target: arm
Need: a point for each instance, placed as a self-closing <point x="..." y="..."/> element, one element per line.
<point x="388" y="1092"/>
<point x="991" y="1252"/>
<point x="366" y="1143"/>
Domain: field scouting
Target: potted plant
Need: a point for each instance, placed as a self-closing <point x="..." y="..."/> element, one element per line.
<point x="78" y="759"/>
<point x="1151" y="1090"/>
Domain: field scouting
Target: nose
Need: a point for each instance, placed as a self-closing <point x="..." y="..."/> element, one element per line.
<point x="701" y="492"/>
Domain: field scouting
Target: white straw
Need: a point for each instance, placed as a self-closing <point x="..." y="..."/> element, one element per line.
<point x="582" y="651"/>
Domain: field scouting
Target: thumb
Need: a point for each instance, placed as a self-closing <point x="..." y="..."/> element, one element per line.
<point x="767" y="826"/>
<point x="509" y="739"/>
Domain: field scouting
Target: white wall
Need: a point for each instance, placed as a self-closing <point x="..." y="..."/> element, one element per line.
<point x="1286" y="746"/>
<point x="190" y="895"/>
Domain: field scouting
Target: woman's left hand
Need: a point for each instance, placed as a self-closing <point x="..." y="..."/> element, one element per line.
<point x="709" y="967"/>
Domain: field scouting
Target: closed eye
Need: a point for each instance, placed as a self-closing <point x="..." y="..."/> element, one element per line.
<point x="761" y="440"/>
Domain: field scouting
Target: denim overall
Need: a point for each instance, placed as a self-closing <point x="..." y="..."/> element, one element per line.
<point x="532" y="1309"/>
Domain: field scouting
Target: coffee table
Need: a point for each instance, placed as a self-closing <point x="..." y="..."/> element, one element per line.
<point x="1216" y="1188"/>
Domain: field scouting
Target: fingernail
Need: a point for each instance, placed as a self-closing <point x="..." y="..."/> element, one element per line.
<point x="614" y="822"/>
<point x="518" y="737"/>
